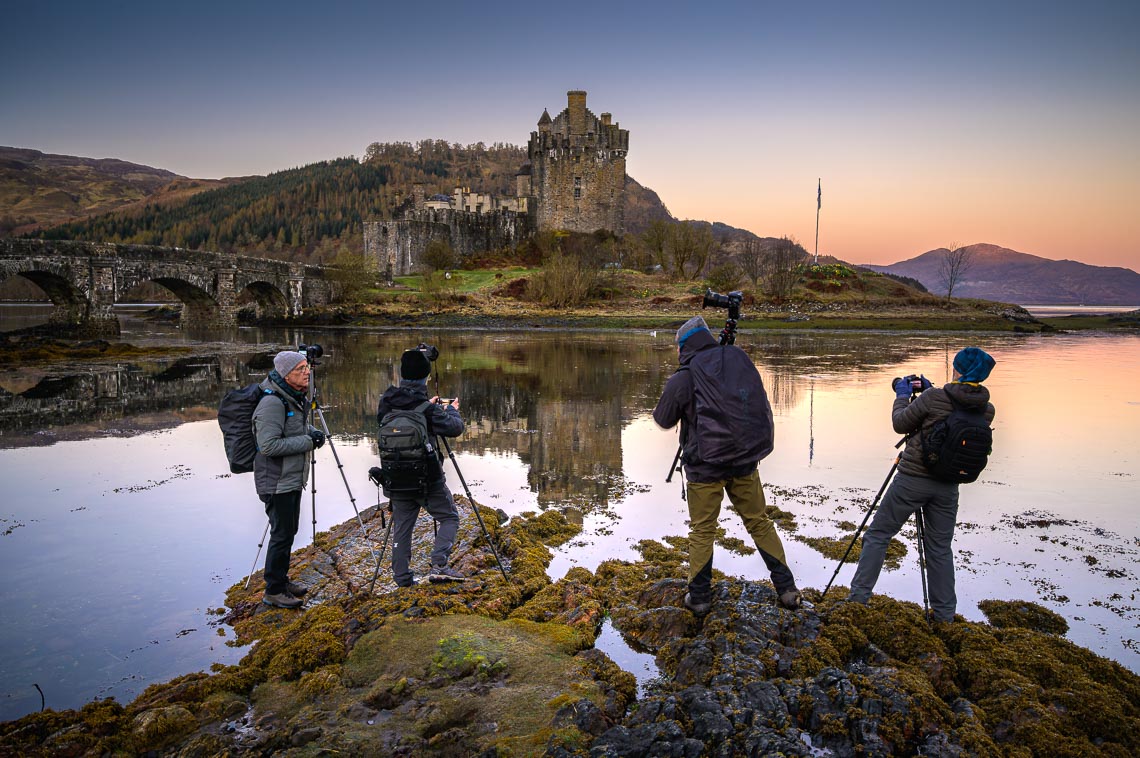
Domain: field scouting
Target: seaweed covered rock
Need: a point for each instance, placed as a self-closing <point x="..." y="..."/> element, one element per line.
<point x="1008" y="614"/>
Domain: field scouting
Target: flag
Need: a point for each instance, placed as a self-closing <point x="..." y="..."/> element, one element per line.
<point x="819" y="197"/>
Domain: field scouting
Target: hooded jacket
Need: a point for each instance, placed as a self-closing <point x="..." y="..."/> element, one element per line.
<point x="442" y="420"/>
<point x="678" y="403"/>
<point x="283" y="442"/>
<point x="916" y="417"/>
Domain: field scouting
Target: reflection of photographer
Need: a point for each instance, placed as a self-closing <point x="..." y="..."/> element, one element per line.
<point x="280" y="470"/>
<point x="947" y="444"/>
<point x="726" y="429"/>
<point x="413" y="471"/>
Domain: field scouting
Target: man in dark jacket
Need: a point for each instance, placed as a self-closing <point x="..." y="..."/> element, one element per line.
<point x="708" y="483"/>
<point x="280" y="470"/>
<point x="915" y="489"/>
<point x="441" y="420"/>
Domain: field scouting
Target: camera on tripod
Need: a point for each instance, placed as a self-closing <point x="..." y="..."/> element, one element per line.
<point x="312" y="353"/>
<point x="916" y="383"/>
<point x="431" y="352"/>
<point x="731" y="301"/>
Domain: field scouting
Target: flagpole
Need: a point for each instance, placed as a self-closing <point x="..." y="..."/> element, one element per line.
<point x="818" y="205"/>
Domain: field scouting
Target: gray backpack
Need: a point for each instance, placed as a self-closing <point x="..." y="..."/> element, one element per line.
<point x="734" y="418"/>
<point x="407" y="454"/>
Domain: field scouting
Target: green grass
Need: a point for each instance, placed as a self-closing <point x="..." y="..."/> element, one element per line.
<point x="473" y="281"/>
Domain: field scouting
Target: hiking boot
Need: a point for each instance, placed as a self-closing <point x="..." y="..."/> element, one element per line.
<point x="281" y="600"/>
<point x="792" y="600"/>
<point x="296" y="590"/>
<point x="698" y="609"/>
<point x="445" y="574"/>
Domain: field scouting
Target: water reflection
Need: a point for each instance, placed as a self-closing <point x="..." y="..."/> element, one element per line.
<point x="116" y="471"/>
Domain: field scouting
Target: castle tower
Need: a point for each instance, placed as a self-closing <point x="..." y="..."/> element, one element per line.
<point x="578" y="169"/>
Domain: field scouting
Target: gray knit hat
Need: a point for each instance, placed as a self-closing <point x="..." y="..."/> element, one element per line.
<point x="286" y="361"/>
<point x="689" y="328"/>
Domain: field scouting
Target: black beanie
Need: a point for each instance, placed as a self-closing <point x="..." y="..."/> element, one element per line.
<point x="414" y="365"/>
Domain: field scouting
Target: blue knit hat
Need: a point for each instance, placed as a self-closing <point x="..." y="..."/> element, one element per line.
<point x="689" y="328"/>
<point x="973" y="364"/>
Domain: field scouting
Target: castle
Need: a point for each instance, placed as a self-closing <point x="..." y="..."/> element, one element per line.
<point x="573" y="179"/>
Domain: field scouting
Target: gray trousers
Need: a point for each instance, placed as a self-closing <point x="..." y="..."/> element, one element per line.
<point x="939" y="504"/>
<point x="441" y="505"/>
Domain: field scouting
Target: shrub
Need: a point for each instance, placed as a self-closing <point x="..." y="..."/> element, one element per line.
<point x="724" y="278"/>
<point x="565" y="280"/>
<point x="438" y="256"/>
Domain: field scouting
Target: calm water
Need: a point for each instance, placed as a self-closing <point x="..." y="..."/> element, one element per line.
<point x="120" y="527"/>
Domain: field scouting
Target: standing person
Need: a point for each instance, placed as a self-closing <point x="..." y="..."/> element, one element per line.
<point x="915" y="488"/>
<point x="280" y="468"/>
<point x="726" y="428"/>
<point x="436" y="499"/>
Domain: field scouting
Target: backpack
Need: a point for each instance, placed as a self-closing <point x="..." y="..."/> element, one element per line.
<point x="407" y="455"/>
<point x="235" y="417"/>
<point x="957" y="447"/>
<point x="734" y="418"/>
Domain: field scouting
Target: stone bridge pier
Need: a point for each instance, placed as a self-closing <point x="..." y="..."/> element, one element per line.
<point x="85" y="280"/>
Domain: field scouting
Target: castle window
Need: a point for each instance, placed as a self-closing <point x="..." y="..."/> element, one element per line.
<point x="577" y="187"/>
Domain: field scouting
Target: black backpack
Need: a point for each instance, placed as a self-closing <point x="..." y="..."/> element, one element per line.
<point x="957" y="447"/>
<point x="408" y="459"/>
<point x="235" y="417"/>
<point x="734" y="418"/>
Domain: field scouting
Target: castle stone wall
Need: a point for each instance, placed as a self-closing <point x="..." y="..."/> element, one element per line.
<point x="398" y="246"/>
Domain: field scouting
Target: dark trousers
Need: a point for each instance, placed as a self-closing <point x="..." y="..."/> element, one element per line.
<point x="284" y="511"/>
<point x="441" y="505"/>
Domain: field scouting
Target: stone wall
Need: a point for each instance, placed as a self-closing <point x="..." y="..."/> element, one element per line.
<point x="397" y="246"/>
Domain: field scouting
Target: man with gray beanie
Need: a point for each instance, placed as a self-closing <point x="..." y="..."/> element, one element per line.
<point x="411" y="395"/>
<point x="917" y="488"/>
<point x="280" y="470"/>
<point x="726" y="429"/>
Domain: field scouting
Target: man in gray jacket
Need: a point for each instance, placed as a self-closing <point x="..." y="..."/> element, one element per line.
<point x="914" y="488"/>
<point x="280" y="470"/>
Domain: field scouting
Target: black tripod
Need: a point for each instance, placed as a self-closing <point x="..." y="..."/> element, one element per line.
<point x="918" y="526"/>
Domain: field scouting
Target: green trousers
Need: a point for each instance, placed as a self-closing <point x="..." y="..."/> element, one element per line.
<point x="747" y="496"/>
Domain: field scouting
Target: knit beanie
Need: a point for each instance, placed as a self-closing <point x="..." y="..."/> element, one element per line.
<point x="414" y="365"/>
<point x="974" y="364"/>
<point x="689" y="328"/>
<point x="286" y="361"/>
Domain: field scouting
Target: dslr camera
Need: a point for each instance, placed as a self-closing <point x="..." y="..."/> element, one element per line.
<point x="731" y="301"/>
<point x="431" y="352"/>
<point x="915" y="382"/>
<point x="312" y="353"/>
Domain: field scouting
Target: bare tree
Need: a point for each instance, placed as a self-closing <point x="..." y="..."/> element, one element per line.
<point x="655" y="239"/>
<point x="956" y="261"/>
<point x="781" y="263"/>
<point x="690" y="246"/>
<point x="751" y="260"/>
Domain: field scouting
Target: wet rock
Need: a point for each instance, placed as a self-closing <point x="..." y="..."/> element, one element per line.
<point x="665" y="739"/>
<point x="303" y="737"/>
<point x="159" y="727"/>
<point x="583" y="715"/>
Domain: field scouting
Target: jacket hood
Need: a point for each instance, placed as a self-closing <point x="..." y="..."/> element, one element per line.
<point x="404" y="397"/>
<point x="697" y="342"/>
<point x="969" y="395"/>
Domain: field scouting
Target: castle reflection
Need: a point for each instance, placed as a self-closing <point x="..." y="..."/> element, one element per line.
<point x="557" y="400"/>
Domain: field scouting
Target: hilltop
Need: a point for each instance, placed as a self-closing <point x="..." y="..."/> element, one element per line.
<point x="998" y="273"/>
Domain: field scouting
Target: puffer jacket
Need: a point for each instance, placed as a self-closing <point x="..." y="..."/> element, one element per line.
<point x="678" y="403"/>
<point x="283" y="443"/>
<point x="916" y="417"/>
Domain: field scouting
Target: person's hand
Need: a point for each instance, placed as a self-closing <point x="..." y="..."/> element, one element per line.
<point x="925" y="383"/>
<point x="434" y="400"/>
<point x="454" y="403"/>
<point x="901" y="386"/>
<point x="318" y="438"/>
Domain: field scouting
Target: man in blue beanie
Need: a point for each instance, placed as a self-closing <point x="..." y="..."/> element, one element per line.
<point x="917" y="488"/>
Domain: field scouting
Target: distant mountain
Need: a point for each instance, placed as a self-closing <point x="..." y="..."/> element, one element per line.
<point x="998" y="273"/>
<point x="41" y="189"/>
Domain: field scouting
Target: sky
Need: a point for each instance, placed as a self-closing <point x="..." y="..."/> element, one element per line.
<point x="1010" y="123"/>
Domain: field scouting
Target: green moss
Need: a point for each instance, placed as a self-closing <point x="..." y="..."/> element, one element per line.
<point x="1024" y="614"/>
<point x="551" y="528"/>
<point x="835" y="548"/>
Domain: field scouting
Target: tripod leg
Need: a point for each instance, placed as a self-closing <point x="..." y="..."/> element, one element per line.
<point x="380" y="559"/>
<point x="254" y="566"/>
<point x="474" y="507"/>
<point x="921" y="529"/>
<point x="859" y="531"/>
<point x="340" y="467"/>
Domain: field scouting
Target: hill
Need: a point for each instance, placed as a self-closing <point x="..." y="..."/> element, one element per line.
<point x="42" y="189"/>
<point x="315" y="211"/>
<point x="998" y="273"/>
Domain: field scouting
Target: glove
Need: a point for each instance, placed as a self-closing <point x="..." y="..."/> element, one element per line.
<point x="901" y="386"/>
<point x="925" y="383"/>
<point x="318" y="438"/>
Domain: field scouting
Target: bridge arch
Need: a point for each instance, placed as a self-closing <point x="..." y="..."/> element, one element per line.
<point x="199" y="308"/>
<point x="267" y="298"/>
<point x="58" y="283"/>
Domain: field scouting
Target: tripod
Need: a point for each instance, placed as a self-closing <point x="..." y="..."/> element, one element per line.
<point x="918" y="522"/>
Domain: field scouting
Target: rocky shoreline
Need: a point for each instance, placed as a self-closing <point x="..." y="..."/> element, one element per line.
<point x="503" y="668"/>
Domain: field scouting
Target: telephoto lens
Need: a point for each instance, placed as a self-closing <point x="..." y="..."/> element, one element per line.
<point x="311" y="351"/>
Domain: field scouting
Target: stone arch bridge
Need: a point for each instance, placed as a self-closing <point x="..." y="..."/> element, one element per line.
<point x="85" y="279"/>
